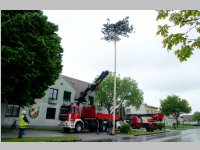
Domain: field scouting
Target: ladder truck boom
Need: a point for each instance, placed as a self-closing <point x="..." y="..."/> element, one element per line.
<point x="92" y="87"/>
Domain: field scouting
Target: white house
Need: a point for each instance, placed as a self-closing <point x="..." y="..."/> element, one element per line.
<point x="143" y="109"/>
<point x="45" y="111"/>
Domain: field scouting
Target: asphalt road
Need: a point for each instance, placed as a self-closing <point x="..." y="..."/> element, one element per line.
<point x="190" y="135"/>
<point x="85" y="136"/>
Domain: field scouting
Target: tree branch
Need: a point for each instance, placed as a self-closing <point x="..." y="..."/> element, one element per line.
<point x="191" y="39"/>
<point x="190" y="29"/>
<point x="194" y="19"/>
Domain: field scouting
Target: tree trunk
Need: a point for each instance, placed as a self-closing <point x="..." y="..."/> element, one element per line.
<point x="108" y="109"/>
<point x="177" y="122"/>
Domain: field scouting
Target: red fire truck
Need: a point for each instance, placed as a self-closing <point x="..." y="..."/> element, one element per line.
<point x="148" y="121"/>
<point x="78" y="117"/>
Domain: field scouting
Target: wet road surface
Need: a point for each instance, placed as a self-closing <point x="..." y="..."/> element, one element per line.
<point x="190" y="135"/>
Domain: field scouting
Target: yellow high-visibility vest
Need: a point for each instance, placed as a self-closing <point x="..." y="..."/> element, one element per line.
<point x="22" y="123"/>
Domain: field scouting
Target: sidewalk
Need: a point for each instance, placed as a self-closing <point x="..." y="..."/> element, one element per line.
<point x="85" y="137"/>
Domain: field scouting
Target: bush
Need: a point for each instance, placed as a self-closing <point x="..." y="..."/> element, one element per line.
<point x="160" y="126"/>
<point x="125" y="128"/>
<point x="174" y="125"/>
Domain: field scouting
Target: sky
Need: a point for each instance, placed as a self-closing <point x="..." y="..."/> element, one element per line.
<point x="142" y="57"/>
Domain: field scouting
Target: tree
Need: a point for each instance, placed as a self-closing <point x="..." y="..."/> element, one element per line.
<point x="196" y="117"/>
<point x="186" y="41"/>
<point x="105" y="92"/>
<point x="31" y="55"/>
<point x="174" y="105"/>
<point x="122" y="112"/>
<point x="128" y="93"/>
<point x="111" y="33"/>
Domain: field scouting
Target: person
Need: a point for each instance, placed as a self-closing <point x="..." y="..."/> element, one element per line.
<point x="97" y="126"/>
<point x="23" y="123"/>
<point x="109" y="126"/>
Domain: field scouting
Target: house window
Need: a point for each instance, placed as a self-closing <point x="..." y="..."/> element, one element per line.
<point x="53" y="94"/>
<point x="51" y="112"/>
<point x="66" y="96"/>
<point x="12" y="111"/>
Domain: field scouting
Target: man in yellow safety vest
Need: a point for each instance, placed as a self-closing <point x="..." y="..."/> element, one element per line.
<point x="23" y="123"/>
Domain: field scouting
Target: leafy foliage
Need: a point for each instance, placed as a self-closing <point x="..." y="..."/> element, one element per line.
<point x="113" y="31"/>
<point x="122" y="112"/>
<point x="125" y="128"/>
<point x="174" y="105"/>
<point x="127" y="89"/>
<point x="31" y="55"/>
<point x="160" y="125"/>
<point x="184" y="42"/>
<point x="196" y="116"/>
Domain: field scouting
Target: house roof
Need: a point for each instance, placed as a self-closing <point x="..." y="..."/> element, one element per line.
<point x="151" y="106"/>
<point x="78" y="85"/>
<point x="187" y="117"/>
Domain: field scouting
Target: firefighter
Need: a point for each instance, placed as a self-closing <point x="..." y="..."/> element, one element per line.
<point x="23" y="123"/>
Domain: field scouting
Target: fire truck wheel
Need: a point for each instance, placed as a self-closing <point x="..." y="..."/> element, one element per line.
<point x="133" y="126"/>
<point x="147" y="129"/>
<point x="78" y="127"/>
<point x="66" y="130"/>
<point x="92" y="129"/>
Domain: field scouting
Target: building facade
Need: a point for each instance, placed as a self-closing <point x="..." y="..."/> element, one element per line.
<point x="143" y="109"/>
<point x="45" y="111"/>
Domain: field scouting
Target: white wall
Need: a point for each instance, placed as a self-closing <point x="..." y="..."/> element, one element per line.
<point x="133" y="110"/>
<point x="42" y="103"/>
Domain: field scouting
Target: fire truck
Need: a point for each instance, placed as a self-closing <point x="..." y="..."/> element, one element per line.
<point x="78" y="116"/>
<point x="148" y="121"/>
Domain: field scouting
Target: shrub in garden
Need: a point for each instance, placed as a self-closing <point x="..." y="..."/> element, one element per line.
<point x="125" y="128"/>
<point x="159" y="126"/>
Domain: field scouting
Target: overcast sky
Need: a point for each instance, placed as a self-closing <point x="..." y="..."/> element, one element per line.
<point x="141" y="56"/>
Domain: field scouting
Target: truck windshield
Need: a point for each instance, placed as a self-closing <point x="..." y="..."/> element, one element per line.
<point x="74" y="110"/>
<point x="65" y="110"/>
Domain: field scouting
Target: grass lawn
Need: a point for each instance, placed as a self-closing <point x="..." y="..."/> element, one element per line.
<point x="140" y="132"/>
<point x="183" y="127"/>
<point x="44" y="139"/>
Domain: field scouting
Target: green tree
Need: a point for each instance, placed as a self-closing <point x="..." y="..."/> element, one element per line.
<point x="174" y="105"/>
<point x="196" y="117"/>
<point x="121" y="111"/>
<point x="185" y="41"/>
<point x="31" y="55"/>
<point x="128" y="93"/>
